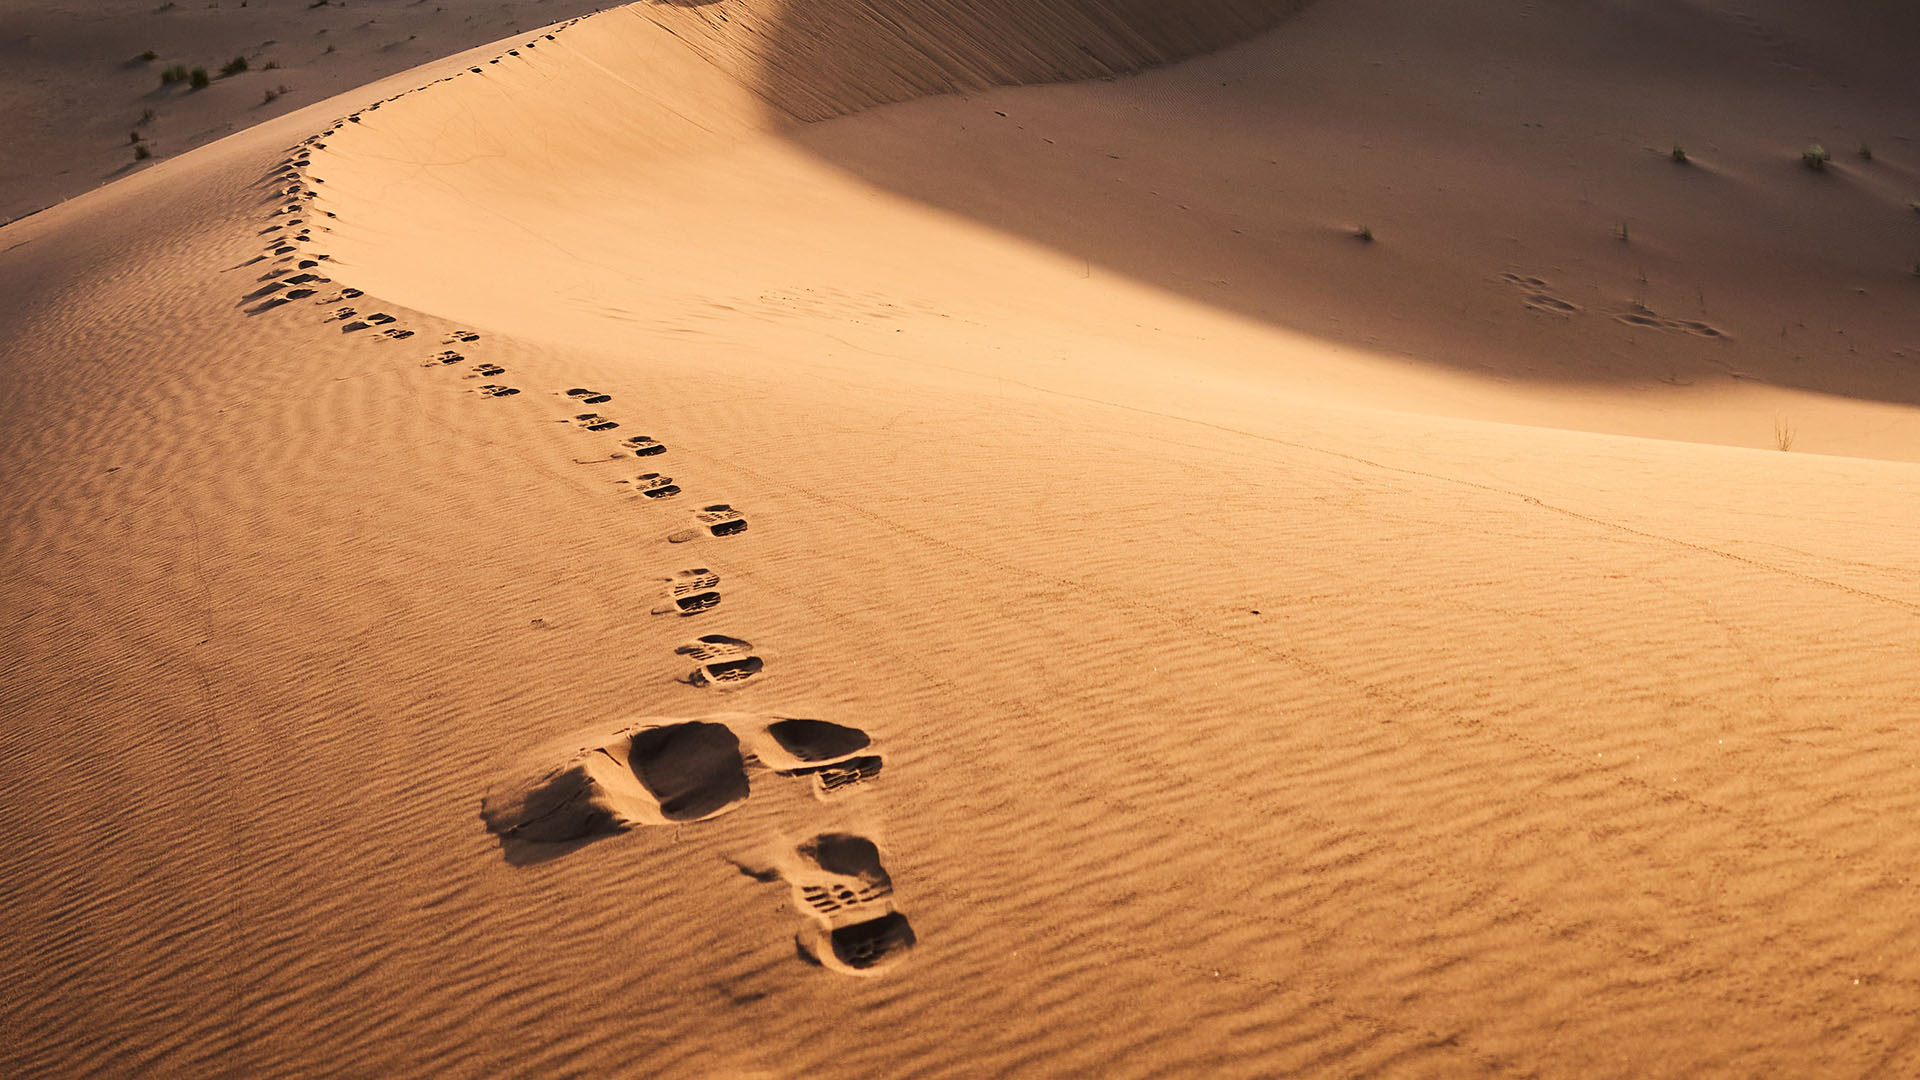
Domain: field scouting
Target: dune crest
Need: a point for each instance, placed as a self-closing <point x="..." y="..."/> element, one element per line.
<point x="818" y="60"/>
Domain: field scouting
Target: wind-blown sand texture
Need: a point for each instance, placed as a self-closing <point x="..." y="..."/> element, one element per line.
<point x="561" y="561"/>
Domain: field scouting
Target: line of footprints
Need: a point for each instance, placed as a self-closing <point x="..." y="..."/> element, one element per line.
<point x="660" y="772"/>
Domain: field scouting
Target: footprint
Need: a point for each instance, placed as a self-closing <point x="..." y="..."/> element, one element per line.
<point x="381" y="318"/>
<point x="351" y="294"/>
<point x="693" y="770"/>
<point x="1641" y="315"/>
<point x="1551" y="304"/>
<point x="833" y="755"/>
<point x="492" y="390"/>
<point x="398" y="334"/>
<point x="690" y="592"/>
<point x="595" y="422"/>
<point x="461" y="335"/>
<point x="655" y="486"/>
<point x="838" y="879"/>
<point x="644" y="446"/>
<point x="589" y="397"/>
<point x="725" y="662"/>
<point x="491" y="370"/>
<point x="722" y="520"/>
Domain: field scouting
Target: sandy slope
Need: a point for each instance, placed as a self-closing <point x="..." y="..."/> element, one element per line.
<point x="1251" y="703"/>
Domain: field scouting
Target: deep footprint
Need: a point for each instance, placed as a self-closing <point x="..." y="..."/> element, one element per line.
<point x="653" y="775"/>
<point x="838" y="879"/>
<point x="643" y="446"/>
<point x="693" y="770"/>
<point x="832" y="756"/>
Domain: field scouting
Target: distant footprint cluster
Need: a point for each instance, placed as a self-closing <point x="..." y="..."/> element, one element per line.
<point x="663" y="772"/>
<point x="1537" y="296"/>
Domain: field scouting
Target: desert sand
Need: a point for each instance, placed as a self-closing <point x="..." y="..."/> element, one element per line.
<point x="893" y="539"/>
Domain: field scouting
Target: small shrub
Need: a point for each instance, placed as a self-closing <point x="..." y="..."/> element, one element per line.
<point x="273" y="94"/>
<point x="1866" y="152"/>
<point x="134" y="137"/>
<point x="198" y="79"/>
<point x="1679" y="154"/>
<point x="1914" y="206"/>
<point x="1815" y="157"/>
<point x="149" y="56"/>
<point x="329" y="48"/>
<point x="1364" y="234"/>
<point x="233" y="67"/>
<point x="1782" y="434"/>
<point x="270" y="65"/>
<point x="175" y="74"/>
<point x="1620" y="232"/>
<point x="141" y="153"/>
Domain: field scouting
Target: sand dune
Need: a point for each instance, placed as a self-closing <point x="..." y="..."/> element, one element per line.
<point x="474" y="545"/>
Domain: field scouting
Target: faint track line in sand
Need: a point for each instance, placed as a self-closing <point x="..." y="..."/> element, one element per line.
<point x="1533" y="500"/>
<point x="1377" y="692"/>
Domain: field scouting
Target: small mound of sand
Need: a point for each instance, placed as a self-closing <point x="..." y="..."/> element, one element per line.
<point x="648" y="775"/>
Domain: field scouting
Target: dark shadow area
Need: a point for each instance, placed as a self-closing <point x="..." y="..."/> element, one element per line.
<point x="1377" y="175"/>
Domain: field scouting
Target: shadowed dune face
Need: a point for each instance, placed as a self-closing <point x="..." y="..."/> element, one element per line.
<point x="1245" y="179"/>
<point x="813" y="61"/>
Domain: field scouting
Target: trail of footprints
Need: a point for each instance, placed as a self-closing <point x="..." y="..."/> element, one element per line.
<point x="1536" y="295"/>
<point x="673" y="771"/>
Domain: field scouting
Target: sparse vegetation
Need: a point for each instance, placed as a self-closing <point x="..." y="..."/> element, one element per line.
<point x="1865" y="152"/>
<point x="1815" y="157"/>
<point x="1782" y="434"/>
<point x="149" y="56"/>
<point x="1914" y="206"/>
<point x="175" y="74"/>
<point x="140" y="152"/>
<point x="1364" y="234"/>
<point x="1679" y="154"/>
<point x="273" y="94"/>
<point x="1620" y="232"/>
<point x="233" y="67"/>
<point x="198" y="79"/>
<point x="270" y="65"/>
<point x="134" y="137"/>
<point x="329" y="48"/>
